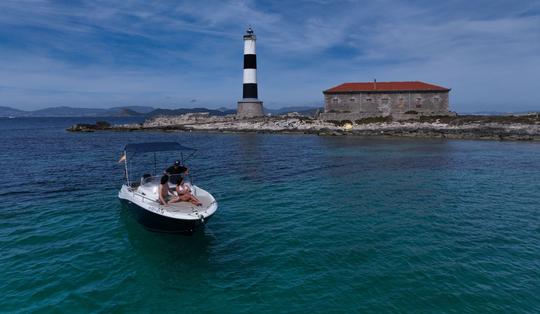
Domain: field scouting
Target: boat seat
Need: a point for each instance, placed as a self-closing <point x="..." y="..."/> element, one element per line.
<point x="146" y="178"/>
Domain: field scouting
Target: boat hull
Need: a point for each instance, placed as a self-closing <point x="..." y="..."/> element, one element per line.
<point x="158" y="223"/>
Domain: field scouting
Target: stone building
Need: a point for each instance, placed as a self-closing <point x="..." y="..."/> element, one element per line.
<point x="400" y="100"/>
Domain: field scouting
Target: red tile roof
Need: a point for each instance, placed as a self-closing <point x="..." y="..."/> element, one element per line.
<point x="385" y="87"/>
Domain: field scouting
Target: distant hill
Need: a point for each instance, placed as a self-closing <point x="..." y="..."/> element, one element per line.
<point x="128" y="111"/>
<point x="174" y="112"/>
<point x="11" y="112"/>
<point x="137" y="109"/>
<point x="64" y="111"/>
<point x="134" y="111"/>
<point x="123" y="112"/>
<point x="305" y="110"/>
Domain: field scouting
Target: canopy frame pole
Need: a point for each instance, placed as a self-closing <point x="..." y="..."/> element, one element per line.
<point x="155" y="165"/>
<point x="189" y="172"/>
<point x="189" y="156"/>
<point x="126" y="168"/>
<point x="191" y="182"/>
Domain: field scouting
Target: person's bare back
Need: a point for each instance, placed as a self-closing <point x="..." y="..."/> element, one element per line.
<point x="164" y="195"/>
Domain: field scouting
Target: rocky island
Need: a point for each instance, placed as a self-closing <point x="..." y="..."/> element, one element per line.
<point x="522" y="127"/>
<point x="85" y="127"/>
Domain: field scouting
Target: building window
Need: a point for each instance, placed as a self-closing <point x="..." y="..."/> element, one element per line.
<point x="368" y="99"/>
<point x="335" y="100"/>
<point x="385" y="101"/>
<point x="352" y="99"/>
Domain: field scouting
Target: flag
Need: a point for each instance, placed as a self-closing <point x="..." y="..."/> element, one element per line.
<point x="123" y="158"/>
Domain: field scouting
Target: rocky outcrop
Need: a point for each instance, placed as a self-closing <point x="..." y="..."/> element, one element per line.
<point x="83" y="127"/>
<point x="465" y="127"/>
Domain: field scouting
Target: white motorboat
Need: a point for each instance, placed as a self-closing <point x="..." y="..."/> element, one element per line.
<point x="141" y="196"/>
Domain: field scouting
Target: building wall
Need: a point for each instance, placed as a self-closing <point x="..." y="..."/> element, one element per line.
<point x="365" y="104"/>
<point x="249" y="109"/>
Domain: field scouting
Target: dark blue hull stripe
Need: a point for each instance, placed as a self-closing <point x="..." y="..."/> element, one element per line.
<point x="159" y="223"/>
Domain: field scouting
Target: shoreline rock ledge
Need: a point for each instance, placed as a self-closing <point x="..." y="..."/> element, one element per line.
<point x="523" y="127"/>
<point x="84" y="127"/>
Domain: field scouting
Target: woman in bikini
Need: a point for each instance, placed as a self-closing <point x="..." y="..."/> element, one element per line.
<point x="184" y="193"/>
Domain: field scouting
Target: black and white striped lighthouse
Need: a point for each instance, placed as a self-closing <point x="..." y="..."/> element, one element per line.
<point x="250" y="106"/>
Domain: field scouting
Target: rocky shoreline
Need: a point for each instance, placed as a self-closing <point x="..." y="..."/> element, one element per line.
<point x="525" y="127"/>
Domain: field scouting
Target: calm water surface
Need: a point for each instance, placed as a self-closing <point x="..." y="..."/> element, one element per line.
<point x="305" y="224"/>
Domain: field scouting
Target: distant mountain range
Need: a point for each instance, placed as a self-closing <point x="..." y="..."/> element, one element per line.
<point x="300" y="109"/>
<point x="174" y="112"/>
<point x="146" y="111"/>
<point x="128" y="111"/>
<point x="133" y="111"/>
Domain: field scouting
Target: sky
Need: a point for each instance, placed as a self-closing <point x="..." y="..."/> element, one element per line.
<point x="171" y="54"/>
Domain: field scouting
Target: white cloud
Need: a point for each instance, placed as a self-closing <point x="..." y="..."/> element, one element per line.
<point x="174" y="51"/>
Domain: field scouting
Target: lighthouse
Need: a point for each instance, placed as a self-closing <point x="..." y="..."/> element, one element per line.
<point x="250" y="106"/>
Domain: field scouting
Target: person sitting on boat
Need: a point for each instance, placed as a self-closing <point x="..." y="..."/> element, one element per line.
<point x="177" y="170"/>
<point x="184" y="193"/>
<point x="165" y="197"/>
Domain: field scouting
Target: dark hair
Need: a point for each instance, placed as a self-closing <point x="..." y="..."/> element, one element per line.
<point x="180" y="180"/>
<point x="164" y="179"/>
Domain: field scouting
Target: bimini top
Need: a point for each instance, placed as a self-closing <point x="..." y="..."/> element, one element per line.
<point x="155" y="147"/>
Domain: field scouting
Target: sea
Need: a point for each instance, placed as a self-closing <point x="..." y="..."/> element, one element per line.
<point x="305" y="224"/>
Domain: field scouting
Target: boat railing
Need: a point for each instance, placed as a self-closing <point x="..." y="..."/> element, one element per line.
<point x="142" y="196"/>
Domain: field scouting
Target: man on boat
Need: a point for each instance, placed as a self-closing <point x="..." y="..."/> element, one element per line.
<point x="177" y="170"/>
<point x="165" y="197"/>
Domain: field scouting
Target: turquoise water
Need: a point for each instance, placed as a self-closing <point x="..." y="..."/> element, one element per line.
<point x="305" y="224"/>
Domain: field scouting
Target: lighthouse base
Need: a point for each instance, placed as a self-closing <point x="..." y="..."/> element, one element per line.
<point x="249" y="108"/>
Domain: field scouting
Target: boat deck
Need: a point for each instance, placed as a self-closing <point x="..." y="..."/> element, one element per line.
<point x="149" y="191"/>
<point x="188" y="207"/>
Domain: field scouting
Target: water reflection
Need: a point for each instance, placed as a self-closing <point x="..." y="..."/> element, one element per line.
<point x="157" y="248"/>
<point x="250" y="156"/>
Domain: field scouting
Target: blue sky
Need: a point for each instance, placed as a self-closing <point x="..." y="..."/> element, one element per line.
<point x="92" y="53"/>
